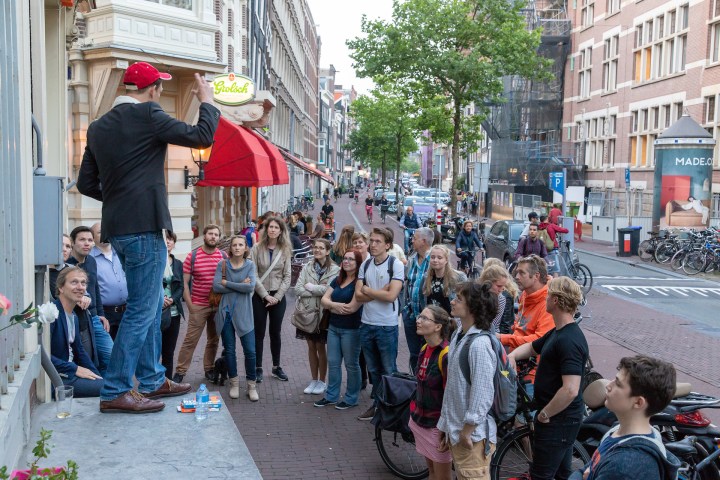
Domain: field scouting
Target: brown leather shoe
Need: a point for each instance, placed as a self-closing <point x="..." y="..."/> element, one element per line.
<point x="131" y="402"/>
<point x="169" y="389"/>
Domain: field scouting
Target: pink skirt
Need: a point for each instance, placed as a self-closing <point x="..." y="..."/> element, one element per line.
<point x="427" y="441"/>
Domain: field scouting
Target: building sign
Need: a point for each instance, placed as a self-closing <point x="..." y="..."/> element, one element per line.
<point x="233" y="89"/>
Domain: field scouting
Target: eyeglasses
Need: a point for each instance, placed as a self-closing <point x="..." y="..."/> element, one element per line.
<point x="423" y="318"/>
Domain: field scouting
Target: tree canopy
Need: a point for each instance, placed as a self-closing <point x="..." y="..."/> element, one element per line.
<point x="446" y="55"/>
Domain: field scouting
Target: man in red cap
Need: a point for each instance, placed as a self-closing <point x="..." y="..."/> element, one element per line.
<point x="124" y="168"/>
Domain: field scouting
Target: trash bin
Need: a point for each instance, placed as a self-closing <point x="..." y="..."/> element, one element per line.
<point x="628" y="241"/>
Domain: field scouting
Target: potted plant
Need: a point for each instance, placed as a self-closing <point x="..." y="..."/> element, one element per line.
<point x="42" y="450"/>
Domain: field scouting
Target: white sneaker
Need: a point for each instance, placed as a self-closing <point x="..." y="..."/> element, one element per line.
<point x="311" y="388"/>
<point x="320" y="387"/>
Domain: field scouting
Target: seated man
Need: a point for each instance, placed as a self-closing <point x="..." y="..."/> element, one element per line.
<point x="69" y="355"/>
<point x="633" y="449"/>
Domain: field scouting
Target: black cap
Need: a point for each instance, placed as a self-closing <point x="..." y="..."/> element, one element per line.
<point x="532" y="215"/>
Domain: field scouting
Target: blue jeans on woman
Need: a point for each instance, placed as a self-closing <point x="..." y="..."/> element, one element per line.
<point x="136" y="351"/>
<point x="343" y="344"/>
<point x="248" y="345"/>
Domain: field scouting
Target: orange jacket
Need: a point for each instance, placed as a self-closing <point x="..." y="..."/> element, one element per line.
<point x="531" y="323"/>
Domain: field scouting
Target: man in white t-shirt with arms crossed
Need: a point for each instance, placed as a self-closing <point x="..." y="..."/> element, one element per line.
<point x="380" y="280"/>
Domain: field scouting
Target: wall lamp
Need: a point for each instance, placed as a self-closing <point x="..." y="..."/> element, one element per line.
<point x="194" y="179"/>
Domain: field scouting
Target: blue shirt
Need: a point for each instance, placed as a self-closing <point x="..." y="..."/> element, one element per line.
<point x="111" y="278"/>
<point x="415" y="281"/>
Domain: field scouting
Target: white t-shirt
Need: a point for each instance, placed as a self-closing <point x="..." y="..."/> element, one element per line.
<point x="397" y="252"/>
<point x="376" y="312"/>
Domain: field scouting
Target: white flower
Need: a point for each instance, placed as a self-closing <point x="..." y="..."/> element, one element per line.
<point x="47" y="313"/>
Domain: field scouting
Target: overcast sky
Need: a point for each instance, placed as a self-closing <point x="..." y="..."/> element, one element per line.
<point x="337" y="21"/>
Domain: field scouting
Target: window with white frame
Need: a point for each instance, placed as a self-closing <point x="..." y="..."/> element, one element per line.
<point x="610" y="63"/>
<point x="709" y="109"/>
<point x="599" y="143"/>
<point x="585" y="72"/>
<point x="661" y="45"/>
<point x="587" y="13"/>
<point x="184" y="4"/>
<point x="613" y="6"/>
<point x="649" y="125"/>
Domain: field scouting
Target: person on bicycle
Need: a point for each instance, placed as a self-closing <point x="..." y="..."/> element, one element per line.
<point x="336" y="193"/>
<point x="384" y="207"/>
<point x="642" y="387"/>
<point x="553" y="257"/>
<point x="531" y="245"/>
<point x="532" y="321"/>
<point x="369" y="207"/>
<point x="327" y="208"/>
<point x="308" y="194"/>
<point x="409" y="222"/>
<point x="467" y="427"/>
<point x="357" y="194"/>
<point x="563" y="354"/>
<point x="465" y="244"/>
<point x="435" y="326"/>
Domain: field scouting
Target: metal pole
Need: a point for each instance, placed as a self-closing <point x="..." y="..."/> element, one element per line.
<point x="564" y="201"/>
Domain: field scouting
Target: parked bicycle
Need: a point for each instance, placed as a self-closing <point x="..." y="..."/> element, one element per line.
<point x="646" y="249"/>
<point x="707" y="259"/>
<point x="572" y="267"/>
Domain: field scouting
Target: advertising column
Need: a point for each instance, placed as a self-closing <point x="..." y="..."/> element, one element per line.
<point x="683" y="176"/>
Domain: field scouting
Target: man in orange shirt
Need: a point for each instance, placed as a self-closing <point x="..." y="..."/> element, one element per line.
<point x="532" y="320"/>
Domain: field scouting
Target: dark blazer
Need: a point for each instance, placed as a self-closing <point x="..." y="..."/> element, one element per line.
<point x="59" y="342"/>
<point x="177" y="287"/>
<point x="124" y="163"/>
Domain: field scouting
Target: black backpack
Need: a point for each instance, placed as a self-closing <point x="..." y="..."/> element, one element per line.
<point x="390" y="269"/>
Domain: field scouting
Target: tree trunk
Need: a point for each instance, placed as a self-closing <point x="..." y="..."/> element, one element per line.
<point x="455" y="152"/>
<point x="398" y="161"/>
<point x="384" y="162"/>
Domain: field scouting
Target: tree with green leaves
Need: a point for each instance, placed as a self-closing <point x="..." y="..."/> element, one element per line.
<point x="385" y="130"/>
<point x="446" y="55"/>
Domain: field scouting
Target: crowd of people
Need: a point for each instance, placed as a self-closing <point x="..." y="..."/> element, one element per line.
<point x="120" y="292"/>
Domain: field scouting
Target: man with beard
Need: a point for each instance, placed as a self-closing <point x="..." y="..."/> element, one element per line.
<point x="199" y="268"/>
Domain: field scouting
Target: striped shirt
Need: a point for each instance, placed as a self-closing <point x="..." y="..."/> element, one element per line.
<point x="202" y="273"/>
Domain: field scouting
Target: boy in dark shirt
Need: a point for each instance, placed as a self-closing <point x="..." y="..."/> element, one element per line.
<point x="563" y="353"/>
<point x="633" y="449"/>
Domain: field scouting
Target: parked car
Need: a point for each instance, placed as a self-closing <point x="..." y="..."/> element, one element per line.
<point x="501" y="239"/>
<point x="423" y="210"/>
<point x="379" y="192"/>
<point x="392" y="200"/>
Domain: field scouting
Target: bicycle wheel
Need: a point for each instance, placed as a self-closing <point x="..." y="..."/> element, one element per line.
<point x="694" y="263"/>
<point x="677" y="260"/>
<point x="398" y="453"/>
<point x="646" y="250"/>
<point x="514" y="456"/>
<point x="665" y="251"/>
<point x="583" y="277"/>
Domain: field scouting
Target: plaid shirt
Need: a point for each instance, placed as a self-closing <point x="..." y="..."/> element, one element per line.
<point x="415" y="279"/>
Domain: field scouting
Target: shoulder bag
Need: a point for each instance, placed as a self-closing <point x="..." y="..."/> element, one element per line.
<point x="214" y="298"/>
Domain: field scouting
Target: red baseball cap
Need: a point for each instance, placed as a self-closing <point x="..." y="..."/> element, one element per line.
<point x="142" y="74"/>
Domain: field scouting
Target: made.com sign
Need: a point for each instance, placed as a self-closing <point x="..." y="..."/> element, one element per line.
<point x="233" y="89"/>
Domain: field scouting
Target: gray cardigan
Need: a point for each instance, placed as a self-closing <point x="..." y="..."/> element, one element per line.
<point x="237" y="296"/>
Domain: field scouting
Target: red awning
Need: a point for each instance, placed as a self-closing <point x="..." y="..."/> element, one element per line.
<point x="307" y="167"/>
<point x="277" y="163"/>
<point x="238" y="159"/>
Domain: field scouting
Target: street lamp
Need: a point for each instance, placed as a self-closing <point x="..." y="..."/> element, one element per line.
<point x="194" y="179"/>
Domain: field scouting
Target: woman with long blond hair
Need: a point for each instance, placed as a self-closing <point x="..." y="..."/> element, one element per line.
<point x="343" y="244"/>
<point x="273" y="258"/>
<point x="493" y="272"/>
<point x="441" y="279"/>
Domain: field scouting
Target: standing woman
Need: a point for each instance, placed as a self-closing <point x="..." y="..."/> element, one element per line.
<point x="343" y="244"/>
<point x="234" y="315"/>
<point x="272" y="257"/>
<point x="173" y="287"/>
<point x="311" y="286"/>
<point x="507" y="291"/>
<point x="360" y="243"/>
<point x="441" y="280"/>
<point x="436" y="326"/>
<point x="343" y="339"/>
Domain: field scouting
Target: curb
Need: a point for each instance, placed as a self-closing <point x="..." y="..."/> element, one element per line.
<point x="640" y="264"/>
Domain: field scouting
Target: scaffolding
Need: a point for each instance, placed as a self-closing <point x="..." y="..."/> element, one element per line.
<point x="526" y="129"/>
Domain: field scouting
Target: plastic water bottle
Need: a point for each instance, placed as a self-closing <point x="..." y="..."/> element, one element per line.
<point x="202" y="399"/>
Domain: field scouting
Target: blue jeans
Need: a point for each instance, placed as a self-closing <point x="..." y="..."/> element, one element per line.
<point x="552" y="448"/>
<point x="248" y="345"/>
<point x="409" y="232"/>
<point x="84" y="387"/>
<point x="414" y="341"/>
<point x="103" y="345"/>
<point x="138" y="343"/>
<point x="380" y="346"/>
<point x="343" y="344"/>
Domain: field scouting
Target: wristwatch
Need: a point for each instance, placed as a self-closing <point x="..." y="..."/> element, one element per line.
<point x="543" y="417"/>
